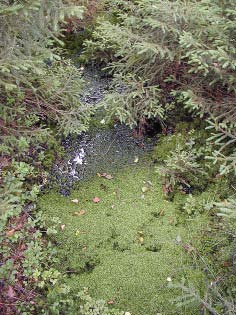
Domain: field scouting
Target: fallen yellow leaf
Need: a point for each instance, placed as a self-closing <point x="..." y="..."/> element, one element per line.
<point x="162" y="212"/>
<point x="75" y="200"/>
<point x="78" y="213"/>
<point x="145" y="189"/>
<point x="141" y="240"/>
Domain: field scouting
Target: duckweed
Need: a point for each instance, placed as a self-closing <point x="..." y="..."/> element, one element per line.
<point x="126" y="247"/>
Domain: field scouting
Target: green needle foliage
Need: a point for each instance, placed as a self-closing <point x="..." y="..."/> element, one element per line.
<point x="181" y="167"/>
<point x="184" y="50"/>
<point x="39" y="97"/>
<point x="36" y="83"/>
<point x="166" y="57"/>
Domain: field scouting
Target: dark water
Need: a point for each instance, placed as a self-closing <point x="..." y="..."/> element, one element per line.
<point x="97" y="83"/>
<point x="99" y="150"/>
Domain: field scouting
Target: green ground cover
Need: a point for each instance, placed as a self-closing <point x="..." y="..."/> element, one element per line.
<point x="128" y="246"/>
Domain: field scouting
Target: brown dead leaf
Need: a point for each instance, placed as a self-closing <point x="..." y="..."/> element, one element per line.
<point x="96" y="199"/>
<point x="167" y="189"/>
<point x="79" y="213"/>
<point x="19" y="226"/>
<point x="107" y="176"/>
<point x="4" y="162"/>
<point x="190" y="249"/>
<point x="227" y="263"/>
<point x="22" y="247"/>
<point x="10" y="232"/>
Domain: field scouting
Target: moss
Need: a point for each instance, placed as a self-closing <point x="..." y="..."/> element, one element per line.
<point x="184" y="132"/>
<point x="54" y="151"/>
<point x="124" y="247"/>
<point x="96" y="122"/>
<point x="192" y="138"/>
<point x="166" y="144"/>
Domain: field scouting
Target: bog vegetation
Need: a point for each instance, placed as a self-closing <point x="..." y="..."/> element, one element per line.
<point x="173" y="64"/>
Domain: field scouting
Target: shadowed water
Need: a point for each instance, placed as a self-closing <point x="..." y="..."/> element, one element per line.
<point x="99" y="150"/>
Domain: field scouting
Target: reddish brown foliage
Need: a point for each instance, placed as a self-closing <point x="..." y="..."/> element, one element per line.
<point x="14" y="291"/>
<point x="93" y="7"/>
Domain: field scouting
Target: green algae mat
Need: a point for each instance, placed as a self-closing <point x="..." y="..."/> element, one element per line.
<point x="122" y="240"/>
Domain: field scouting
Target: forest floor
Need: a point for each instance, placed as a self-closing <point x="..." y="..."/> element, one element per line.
<point x="119" y="237"/>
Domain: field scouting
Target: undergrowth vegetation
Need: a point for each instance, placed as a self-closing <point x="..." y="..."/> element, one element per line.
<point x="185" y="52"/>
<point x="167" y="54"/>
<point x="173" y="66"/>
<point x="39" y="98"/>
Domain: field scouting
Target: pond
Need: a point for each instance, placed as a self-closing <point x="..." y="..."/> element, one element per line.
<point x="126" y="244"/>
<point x="118" y="235"/>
